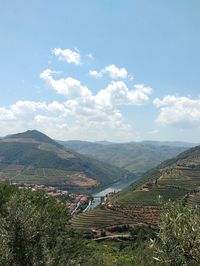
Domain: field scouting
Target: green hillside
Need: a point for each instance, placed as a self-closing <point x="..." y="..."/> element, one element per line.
<point x="134" y="157"/>
<point x="177" y="179"/>
<point x="32" y="157"/>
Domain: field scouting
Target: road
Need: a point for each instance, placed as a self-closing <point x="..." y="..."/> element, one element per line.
<point x="112" y="237"/>
<point x="88" y="206"/>
<point x="77" y="206"/>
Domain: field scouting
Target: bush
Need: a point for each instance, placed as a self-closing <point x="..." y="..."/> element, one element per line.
<point x="178" y="240"/>
<point x="35" y="231"/>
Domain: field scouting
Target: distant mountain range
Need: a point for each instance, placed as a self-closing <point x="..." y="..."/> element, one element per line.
<point x="171" y="143"/>
<point x="137" y="157"/>
<point x="33" y="157"/>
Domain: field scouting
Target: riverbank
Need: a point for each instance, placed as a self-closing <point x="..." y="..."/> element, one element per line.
<point x="114" y="188"/>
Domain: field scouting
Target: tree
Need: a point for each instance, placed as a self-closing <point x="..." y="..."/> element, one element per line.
<point x="35" y="231"/>
<point x="178" y="241"/>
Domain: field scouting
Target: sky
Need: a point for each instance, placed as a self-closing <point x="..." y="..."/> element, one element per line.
<point x="101" y="69"/>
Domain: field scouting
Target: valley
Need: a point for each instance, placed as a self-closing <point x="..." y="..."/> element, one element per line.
<point x="32" y="158"/>
<point x="104" y="203"/>
<point x="136" y="157"/>
<point x="141" y="203"/>
<point x="99" y="133"/>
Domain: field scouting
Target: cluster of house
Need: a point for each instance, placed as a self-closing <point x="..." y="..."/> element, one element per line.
<point x="72" y="200"/>
<point x="76" y="201"/>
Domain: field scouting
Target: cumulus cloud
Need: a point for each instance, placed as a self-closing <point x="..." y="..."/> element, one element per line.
<point x="113" y="71"/>
<point x="95" y="74"/>
<point x="81" y="114"/>
<point x="69" y="86"/>
<point x="67" y="55"/>
<point x="30" y="108"/>
<point x="25" y="115"/>
<point x="178" y="111"/>
<point x="117" y="93"/>
<point x="97" y="110"/>
<point x="70" y="120"/>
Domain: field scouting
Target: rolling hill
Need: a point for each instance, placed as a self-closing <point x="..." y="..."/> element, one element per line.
<point x="175" y="179"/>
<point x="179" y="175"/>
<point x="33" y="157"/>
<point x="134" y="157"/>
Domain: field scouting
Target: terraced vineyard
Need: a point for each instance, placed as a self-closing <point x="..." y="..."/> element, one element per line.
<point x="141" y="203"/>
<point x="32" y="157"/>
<point x="46" y="176"/>
<point x="148" y="197"/>
<point x="99" y="219"/>
<point x="117" y="215"/>
<point x="183" y="177"/>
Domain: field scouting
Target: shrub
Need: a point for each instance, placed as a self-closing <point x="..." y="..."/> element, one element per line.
<point x="178" y="241"/>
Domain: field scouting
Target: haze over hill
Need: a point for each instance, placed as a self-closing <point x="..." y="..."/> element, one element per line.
<point x="33" y="157"/>
<point x="133" y="156"/>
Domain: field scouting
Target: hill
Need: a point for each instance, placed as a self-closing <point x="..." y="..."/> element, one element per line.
<point x="177" y="179"/>
<point x="33" y="157"/>
<point x="30" y="136"/>
<point x="134" y="157"/>
<point x="171" y="143"/>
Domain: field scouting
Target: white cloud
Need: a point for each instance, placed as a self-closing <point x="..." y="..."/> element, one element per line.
<point x="117" y="93"/>
<point x="113" y="72"/>
<point x="25" y="115"/>
<point x="23" y="109"/>
<point x="97" y="112"/>
<point x="81" y="114"/>
<point x="95" y="74"/>
<point x="73" y="119"/>
<point x="67" y="55"/>
<point x="178" y="111"/>
<point x="69" y="86"/>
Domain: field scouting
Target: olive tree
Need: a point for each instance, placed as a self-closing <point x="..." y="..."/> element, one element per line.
<point x="178" y="239"/>
<point x="35" y="231"/>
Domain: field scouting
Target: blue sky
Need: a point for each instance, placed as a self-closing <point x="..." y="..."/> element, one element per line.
<point x="115" y="70"/>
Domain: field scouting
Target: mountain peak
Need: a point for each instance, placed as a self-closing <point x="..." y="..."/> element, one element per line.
<point x="32" y="135"/>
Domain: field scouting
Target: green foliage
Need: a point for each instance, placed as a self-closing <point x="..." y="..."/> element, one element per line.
<point x="35" y="231"/>
<point x="178" y="240"/>
<point x="142" y="233"/>
<point x="6" y="191"/>
<point x="112" y="253"/>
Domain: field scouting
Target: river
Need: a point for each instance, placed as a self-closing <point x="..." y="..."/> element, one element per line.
<point x="113" y="188"/>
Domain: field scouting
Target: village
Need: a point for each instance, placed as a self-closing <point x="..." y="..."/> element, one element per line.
<point x="75" y="202"/>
